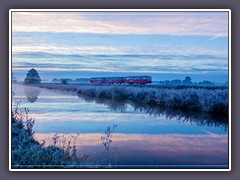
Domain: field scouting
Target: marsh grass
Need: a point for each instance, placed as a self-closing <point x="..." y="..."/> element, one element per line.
<point x="204" y="100"/>
<point x="196" y="98"/>
<point x="109" y="152"/>
<point x="29" y="153"/>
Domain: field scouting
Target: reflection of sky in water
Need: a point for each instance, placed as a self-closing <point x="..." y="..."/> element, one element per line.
<point x="156" y="139"/>
<point x="66" y="113"/>
<point x="161" y="149"/>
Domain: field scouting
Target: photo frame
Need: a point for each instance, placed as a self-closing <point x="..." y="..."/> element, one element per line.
<point x="105" y="138"/>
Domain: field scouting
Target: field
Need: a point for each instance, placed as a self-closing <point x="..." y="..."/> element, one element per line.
<point x="213" y="99"/>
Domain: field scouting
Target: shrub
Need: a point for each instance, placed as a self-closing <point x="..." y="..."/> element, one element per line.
<point x="29" y="153"/>
<point x="64" y="81"/>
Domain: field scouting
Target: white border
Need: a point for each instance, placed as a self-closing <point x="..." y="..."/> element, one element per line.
<point x="118" y="10"/>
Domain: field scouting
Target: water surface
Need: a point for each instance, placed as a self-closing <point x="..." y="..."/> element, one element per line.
<point x="141" y="136"/>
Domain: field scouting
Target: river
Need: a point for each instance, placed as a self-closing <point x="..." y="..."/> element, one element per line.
<point x="139" y="136"/>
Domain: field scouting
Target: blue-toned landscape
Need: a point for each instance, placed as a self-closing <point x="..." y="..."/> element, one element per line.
<point x="161" y="137"/>
<point x="62" y="119"/>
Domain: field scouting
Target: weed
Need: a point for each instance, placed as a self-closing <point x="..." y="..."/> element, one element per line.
<point x="29" y="153"/>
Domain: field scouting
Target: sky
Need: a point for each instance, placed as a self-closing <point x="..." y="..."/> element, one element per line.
<point x="165" y="45"/>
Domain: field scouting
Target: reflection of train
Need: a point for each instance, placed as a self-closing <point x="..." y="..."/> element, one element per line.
<point x="120" y="80"/>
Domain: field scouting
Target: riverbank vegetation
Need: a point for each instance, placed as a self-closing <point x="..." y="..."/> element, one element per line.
<point x="29" y="153"/>
<point x="213" y="100"/>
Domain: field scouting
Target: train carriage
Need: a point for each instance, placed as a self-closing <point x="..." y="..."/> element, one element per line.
<point x="120" y="80"/>
<point x="138" y="79"/>
<point x="112" y="80"/>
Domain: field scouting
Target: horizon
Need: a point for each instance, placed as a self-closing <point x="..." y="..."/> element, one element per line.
<point x="155" y="77"/>
<point x="164" y="45"/>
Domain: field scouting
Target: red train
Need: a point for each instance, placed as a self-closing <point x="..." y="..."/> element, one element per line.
<point x="120" y="80"/>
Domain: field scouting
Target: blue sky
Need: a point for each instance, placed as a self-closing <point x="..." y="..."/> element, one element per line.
<point x="166" y="45"/>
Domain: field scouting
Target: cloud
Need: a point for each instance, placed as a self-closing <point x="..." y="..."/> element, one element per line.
<point x="119" y="50"/>
<point x="119" y="63"/>
<point x="198" y="23"/>
<point x="67" y="50"/>
<point x="216" y="36"/>
<point x="214" y="135"/>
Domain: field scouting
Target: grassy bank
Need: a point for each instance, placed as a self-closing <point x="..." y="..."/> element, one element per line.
<point x="29" y="153"/>
<point x="214" y="100"/>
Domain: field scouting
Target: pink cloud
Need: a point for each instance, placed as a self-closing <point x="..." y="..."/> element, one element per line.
<point x="122" y="23"/>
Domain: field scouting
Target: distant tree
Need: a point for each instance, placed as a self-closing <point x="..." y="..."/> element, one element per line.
<point x="176" y="82"/>
<point x="55" y="80"/>
<point x="187" y="80"/>
<point x="161" y="82"/>
<point x="32" y="77"/>
<point x="69" y="80"/>
<point x="167" y="82"/>
<point x="206" y="83"/>
<point x="64" y="81"/>
<point x="82" y="80"/>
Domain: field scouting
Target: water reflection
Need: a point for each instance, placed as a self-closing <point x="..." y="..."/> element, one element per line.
<point x="154" y="150"/>
<point x="199" y="118"/>
<point x="139" y="140"/>
<point x="32" y="93"/>
<point x="113" y="105"/>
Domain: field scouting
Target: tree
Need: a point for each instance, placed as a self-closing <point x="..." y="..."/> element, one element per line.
<point x="187" y="80"/>
<point x="64" y="81"/>
<point x="176" y="82"/>
<point x="32" y="77"/>
<point x="55" y="80"/>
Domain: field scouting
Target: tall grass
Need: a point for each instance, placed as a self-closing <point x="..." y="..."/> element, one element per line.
<point x="185" y="98"/>
<point x="110" y="152"/>
<point x="29" y="153"/>
<point x="204" y="100"/>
